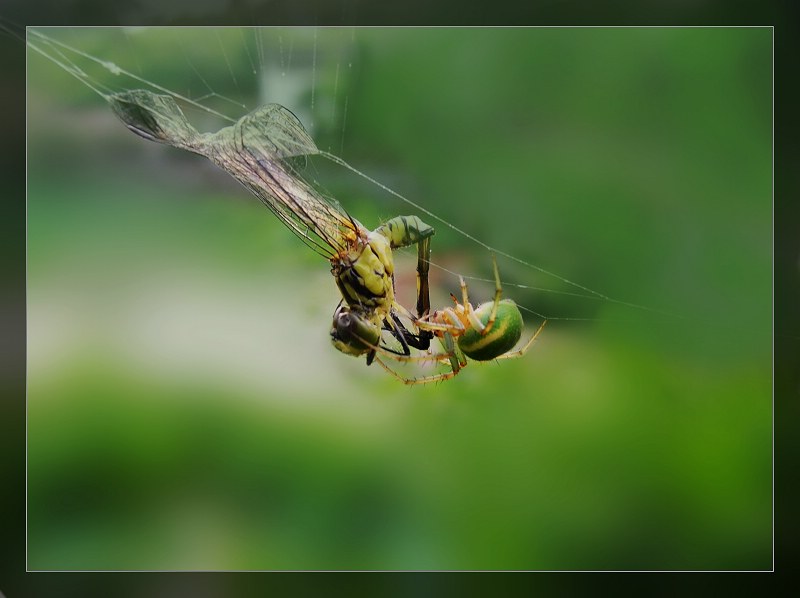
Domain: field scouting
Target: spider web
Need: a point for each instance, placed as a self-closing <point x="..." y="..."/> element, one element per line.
<point x="219" y="74"/>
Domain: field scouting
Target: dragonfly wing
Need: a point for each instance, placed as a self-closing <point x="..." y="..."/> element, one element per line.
<point x="257" y="150"/>
<point x="318" y="222"/>
<point x="279" y="130"/>
<point x="154" y="117"/>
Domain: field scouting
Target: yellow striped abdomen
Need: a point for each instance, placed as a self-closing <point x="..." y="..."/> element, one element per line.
<point x="501" y="338"/>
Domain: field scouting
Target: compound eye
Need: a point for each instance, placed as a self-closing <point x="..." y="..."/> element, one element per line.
<point x="352" y="334"/>
<point x="342" y="319"/>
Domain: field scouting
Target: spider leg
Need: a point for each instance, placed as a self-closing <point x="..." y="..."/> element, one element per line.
<point x="523" y="350"/>
<point x="446" y="320"/>
<point x="498" y="293"/>
<point x="457" y="359"/>
<point x="423" y="380"/>
<point x="398" y="330"/>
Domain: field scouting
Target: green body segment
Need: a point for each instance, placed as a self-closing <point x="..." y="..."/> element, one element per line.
<point x="402" y="231"/>
<point x="501" y="338"/>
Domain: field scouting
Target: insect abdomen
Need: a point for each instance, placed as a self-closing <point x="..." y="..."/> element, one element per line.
<point x="501" y="338"/>
<point x="403" y="231"/>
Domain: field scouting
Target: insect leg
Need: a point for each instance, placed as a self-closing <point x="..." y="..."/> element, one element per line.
<point x="421" y="341"/>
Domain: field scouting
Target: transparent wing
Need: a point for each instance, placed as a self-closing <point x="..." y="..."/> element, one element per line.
<point x="275" y="130"/>
<point x="257" y="150"/>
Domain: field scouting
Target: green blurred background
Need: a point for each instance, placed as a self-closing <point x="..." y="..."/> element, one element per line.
<point x="185" y="407"/>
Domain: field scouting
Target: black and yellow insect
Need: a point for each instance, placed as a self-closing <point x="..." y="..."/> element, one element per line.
<point x="262" y="151"/>
<point x="258" y="151"/>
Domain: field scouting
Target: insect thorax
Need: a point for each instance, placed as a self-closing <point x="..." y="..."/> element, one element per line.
<point x="364" y="274"/>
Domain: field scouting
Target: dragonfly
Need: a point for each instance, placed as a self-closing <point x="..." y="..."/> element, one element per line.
<point x="263" y="151"/>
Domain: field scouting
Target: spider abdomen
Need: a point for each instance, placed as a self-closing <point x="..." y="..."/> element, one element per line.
<point x="501" y="338"/>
